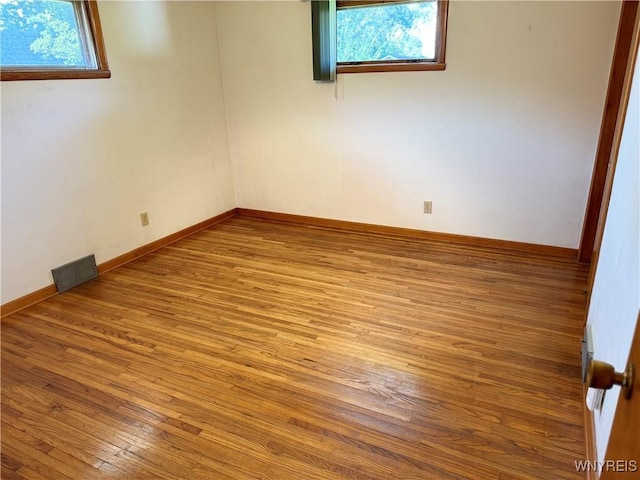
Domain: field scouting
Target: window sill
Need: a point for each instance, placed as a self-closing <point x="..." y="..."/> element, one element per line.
<point x="390" y="67"/>
<point x="10" y="75"/>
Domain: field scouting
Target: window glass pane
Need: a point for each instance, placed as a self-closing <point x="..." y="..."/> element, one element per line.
<point x="41" y="33"/>
<point x="387" y="32"/>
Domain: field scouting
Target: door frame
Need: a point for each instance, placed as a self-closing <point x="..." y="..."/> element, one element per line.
<point x="611" y="161"/>
<point x="599" y="192"/>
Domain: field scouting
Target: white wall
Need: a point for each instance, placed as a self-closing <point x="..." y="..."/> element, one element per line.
<point x="81" y="159"/>
<point x="615" y="300"/>
<point x="502" y="142"/>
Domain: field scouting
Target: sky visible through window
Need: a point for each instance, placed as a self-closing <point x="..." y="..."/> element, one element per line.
<point x="40" y="33"/>
<point x="387" y="32"/>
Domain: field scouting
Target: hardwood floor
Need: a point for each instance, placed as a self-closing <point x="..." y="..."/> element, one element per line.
<point x="264" y="350"/>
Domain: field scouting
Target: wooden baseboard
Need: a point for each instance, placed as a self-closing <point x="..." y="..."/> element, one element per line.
<point x="590" y="438"/>
<point x="50" y="290"/>
<point x="408" y="232"/>
<point x="27" y="300"/>
<point x="163" y="242"/>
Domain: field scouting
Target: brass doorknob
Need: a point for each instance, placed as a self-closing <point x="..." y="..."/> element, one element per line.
<point x="603" y="375"/>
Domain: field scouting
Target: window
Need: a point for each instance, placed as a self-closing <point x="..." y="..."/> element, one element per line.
<point x="351" y="36"/>
<point x="387" y="35"/>
<point x="51" y="39"/>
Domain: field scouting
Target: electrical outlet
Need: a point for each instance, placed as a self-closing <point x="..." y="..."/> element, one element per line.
<point x="144" y="218"/>
<point x="427" y="207"/>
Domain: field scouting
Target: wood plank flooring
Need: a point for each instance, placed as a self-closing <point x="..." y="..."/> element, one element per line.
<point x="265" y="350"/>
